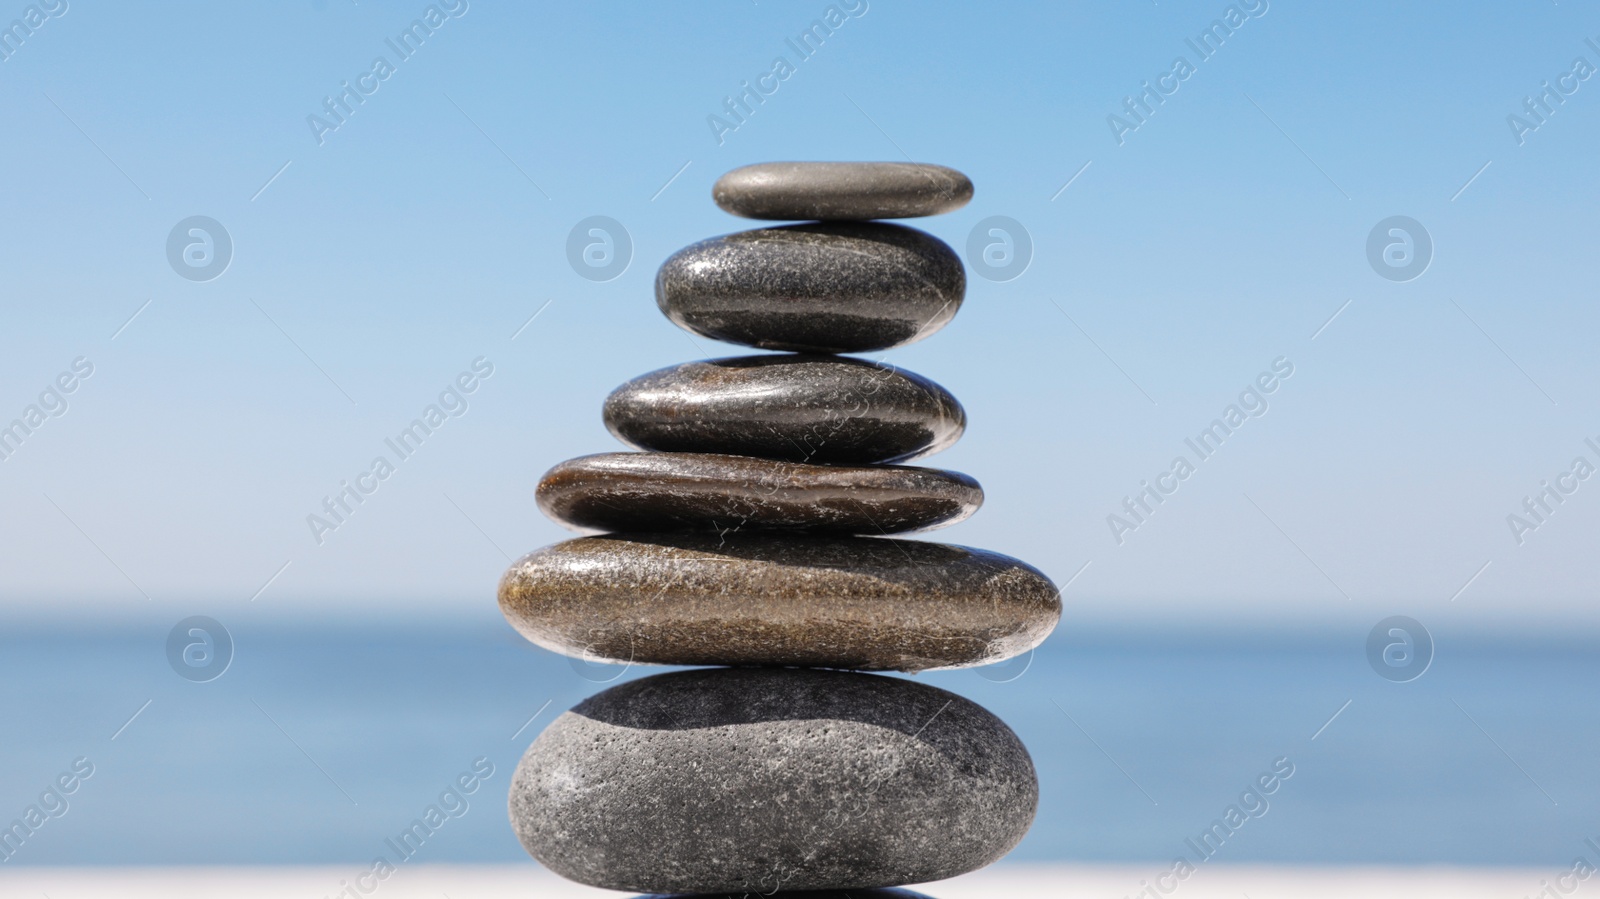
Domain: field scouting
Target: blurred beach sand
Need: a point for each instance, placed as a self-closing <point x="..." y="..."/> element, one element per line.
<point x="497" y="881"/>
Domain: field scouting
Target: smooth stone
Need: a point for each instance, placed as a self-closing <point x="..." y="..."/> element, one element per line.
<point x="709" y="492"/>
<point x="797" y="408"/>
<point x="829" y="288"/>
<point x="863" y="603"/>
<point x="734" y="780"/>
<point x="841" y="191"/>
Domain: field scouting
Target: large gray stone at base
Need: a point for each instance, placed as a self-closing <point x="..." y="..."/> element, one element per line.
<point x="743" y="779"/>
<point x="891" y="893"/>
<point x="841" y="190"/>
<point x="845" y="287"/>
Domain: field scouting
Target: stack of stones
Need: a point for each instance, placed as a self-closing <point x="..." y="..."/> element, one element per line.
<point x="751" y="532"/>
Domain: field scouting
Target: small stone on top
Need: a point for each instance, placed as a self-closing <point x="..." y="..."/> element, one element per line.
<point x="841" y="191"/>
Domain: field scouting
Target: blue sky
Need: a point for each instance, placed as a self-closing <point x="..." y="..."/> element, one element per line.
<point x="371" y="269"/>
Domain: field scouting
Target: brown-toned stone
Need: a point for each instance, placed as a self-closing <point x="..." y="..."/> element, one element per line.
<point x="744" y="599"/>
<point x="711" y="492"/>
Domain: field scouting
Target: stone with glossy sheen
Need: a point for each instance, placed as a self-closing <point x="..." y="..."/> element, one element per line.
<point x="841" y="191"/>
<point x="799" y="408"/>
<point x="864" y="603"/>
<point x="754" y="780"/>
<point x="827" y="288"/>
<point x="709" y="492"/>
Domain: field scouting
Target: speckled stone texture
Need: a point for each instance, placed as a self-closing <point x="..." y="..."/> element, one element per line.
<point x="841" y="191"/>
<point x="733" y="780"/>
<point x="874" y="604"/>
<point x="829" y="288"/>
<point x="719" y="493"/>
<point x="798" y="408"/>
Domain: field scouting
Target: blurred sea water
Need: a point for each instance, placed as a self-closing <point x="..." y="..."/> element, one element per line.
<point x="321" y="741"/>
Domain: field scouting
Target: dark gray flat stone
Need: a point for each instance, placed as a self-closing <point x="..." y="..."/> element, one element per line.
<point x="829" y="288"/>
<point x="841" y="191"/>
<point x="745" y="599"/>
<point x="734" y="780"/>
<point x="720" y="493"/>
<point x="791" y="407"/>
